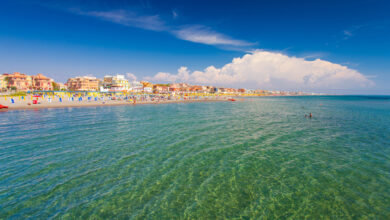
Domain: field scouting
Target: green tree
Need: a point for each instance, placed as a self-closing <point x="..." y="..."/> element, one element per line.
<point x="55" y="85"/>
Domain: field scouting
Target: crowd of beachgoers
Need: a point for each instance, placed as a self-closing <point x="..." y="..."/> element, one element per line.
<point x="79" y="99"/>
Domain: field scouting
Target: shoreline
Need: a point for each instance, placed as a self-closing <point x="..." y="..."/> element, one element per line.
<point x="75" y="104"/>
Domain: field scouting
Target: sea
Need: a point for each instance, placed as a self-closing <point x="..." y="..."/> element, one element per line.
<point x="259" y="158"/>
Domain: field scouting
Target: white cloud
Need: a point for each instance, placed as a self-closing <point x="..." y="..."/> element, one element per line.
<point x="204" y="35"/>
<point x="128" y="18"/>
<point x="131" y="77"/>
<point x="271" y="70"/>
<point x="193" y="33"/>
<point x="347" y="33"/>
<point x="183" y="75"/>
<point x="174" y="14"/>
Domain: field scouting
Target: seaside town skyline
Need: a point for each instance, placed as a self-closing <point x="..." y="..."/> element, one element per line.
<point x="235" y="44"/>
<point x="12" y="82"/>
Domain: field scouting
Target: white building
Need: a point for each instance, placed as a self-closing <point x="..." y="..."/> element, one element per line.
<point x="148" y="89"/>
<point x="136" y="86"/>
<point x="115" y="83"/>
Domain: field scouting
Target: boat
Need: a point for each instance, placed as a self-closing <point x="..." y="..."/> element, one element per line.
<point x="232" y="100"/>
<point x="3" y="106"/>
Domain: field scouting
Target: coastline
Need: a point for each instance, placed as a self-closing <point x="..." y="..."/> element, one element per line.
<point x="44" y="104"/>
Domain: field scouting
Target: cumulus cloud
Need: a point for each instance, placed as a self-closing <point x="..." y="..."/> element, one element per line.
<point x="271" y="70"/>
<point x="131" y="77"/>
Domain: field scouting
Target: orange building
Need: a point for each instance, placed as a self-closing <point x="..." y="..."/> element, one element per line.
<point x="85" y="83"/>
<point x="41" y="82"/>
<point x="174" y="88"/>
<point x="3" y="83"/>
<point x="146" y="84"/>
<point x="160" y="89"/>
<point x="20" y="81"/>
<point x="196" y="89"/>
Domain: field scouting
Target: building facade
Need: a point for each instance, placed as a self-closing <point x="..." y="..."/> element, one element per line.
<point x="3" y="83"/>
<point x="41" y="82"/>
<point x="18" y="81"/>
<point x="116" y="83"/>
<point x="85" y="83"/>
<point x="158" y="89"/>
<point x="136" y="86"/>
<point x="62" y="86"/>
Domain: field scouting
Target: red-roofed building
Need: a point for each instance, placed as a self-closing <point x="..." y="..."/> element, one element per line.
<point x="41" y="82"/>
<point x="160" y="89"/>
<point x="20" y="81"/>
<point x="174" y="88"/>
<point x="196" y="89"/>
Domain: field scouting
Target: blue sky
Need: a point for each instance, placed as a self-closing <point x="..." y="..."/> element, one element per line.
<point x="320" y="46"/>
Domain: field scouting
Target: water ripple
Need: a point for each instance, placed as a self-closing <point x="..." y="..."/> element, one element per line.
<point x="260" y="158"/>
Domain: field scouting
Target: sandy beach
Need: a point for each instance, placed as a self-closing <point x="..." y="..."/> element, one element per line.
<point x="27" y="103"/>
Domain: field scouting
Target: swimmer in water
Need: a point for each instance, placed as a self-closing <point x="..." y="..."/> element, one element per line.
<point x="309" y="116"/>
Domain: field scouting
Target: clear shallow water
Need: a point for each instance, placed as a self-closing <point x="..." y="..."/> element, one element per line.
<point x="253" y="159"/>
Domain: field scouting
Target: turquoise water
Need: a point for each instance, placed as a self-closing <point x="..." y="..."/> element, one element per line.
<point x="259" y="158"/>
